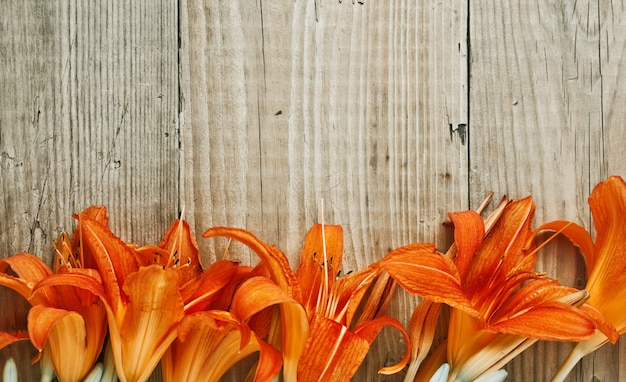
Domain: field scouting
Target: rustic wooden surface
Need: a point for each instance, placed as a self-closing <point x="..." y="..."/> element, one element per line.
<point x="249" y="114"/>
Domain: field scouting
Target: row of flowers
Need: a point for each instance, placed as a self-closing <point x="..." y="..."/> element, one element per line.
<point x="111" y="310"/>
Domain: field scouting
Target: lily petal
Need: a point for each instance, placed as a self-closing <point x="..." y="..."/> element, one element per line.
<point x="346" y="296"/>
<point x="468" y="237"/>
<point x="577" y="235"/>
<point x="333" y="353"/>
<point x="369" y="331"/>
<point x="508" y="239"/>
<point x="550" y="321"/>
<point x="96" y="213"/>
<point x="419" y="270"/>
<point x="115" y="260"/>
<point x="200" y="292"/>
<point x="7" y="339"/>
<point x="74" y="347"/>
<point x="496" y="350"/>
<point x="602" y="324"/>
<point x="607" y="279"/>
<point x="142" y="335"/>
<point x="256" y="294"/>
<point x="378" y="300"/>
<point x="422" y="333"/>
<point x="29" y="269"/>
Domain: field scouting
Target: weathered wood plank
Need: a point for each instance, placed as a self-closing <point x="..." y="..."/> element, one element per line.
<point x="88" y="115"/>
<point x="546" y="99"/>
<point x="361" y="105"/>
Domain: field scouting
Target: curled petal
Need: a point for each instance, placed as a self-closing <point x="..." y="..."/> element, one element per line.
<point x="576" y="234"/>
<point x="7" y="339"/>
<point x="293" y="315"/>
<point x="602" y="324"/>
<point x="29" y="270"/>
<point x="256" y="294"/>
<point x="369" y="331"/>
<point x="27" y="267"/>
<point x="259" y="293"/>
<point x="276" y="261"/>
<point x="74" y="347"/>
<point x="80" y="280"/>
<point x="41" y="320"/>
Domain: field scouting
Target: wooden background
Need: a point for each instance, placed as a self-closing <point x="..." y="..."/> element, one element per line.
<point x="249" y="113"/>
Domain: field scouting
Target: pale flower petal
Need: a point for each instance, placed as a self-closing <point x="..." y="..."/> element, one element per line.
<point x="9" y="374"/>
<point x="441" y="375"/>
<point x="494" y="376"/>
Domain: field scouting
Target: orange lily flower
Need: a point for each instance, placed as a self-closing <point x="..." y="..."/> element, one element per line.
<point x="500" y="306"/>
<point x="330" y="347"/>
<point x="209" y="341"/>
<point x="143" y="304"/>
<point x="605" y="264"/>
<point x="64" y="321"/>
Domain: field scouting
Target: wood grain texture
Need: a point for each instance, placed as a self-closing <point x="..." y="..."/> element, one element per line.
<point x="250" y="113"/>
<point x="88" y="115"/>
